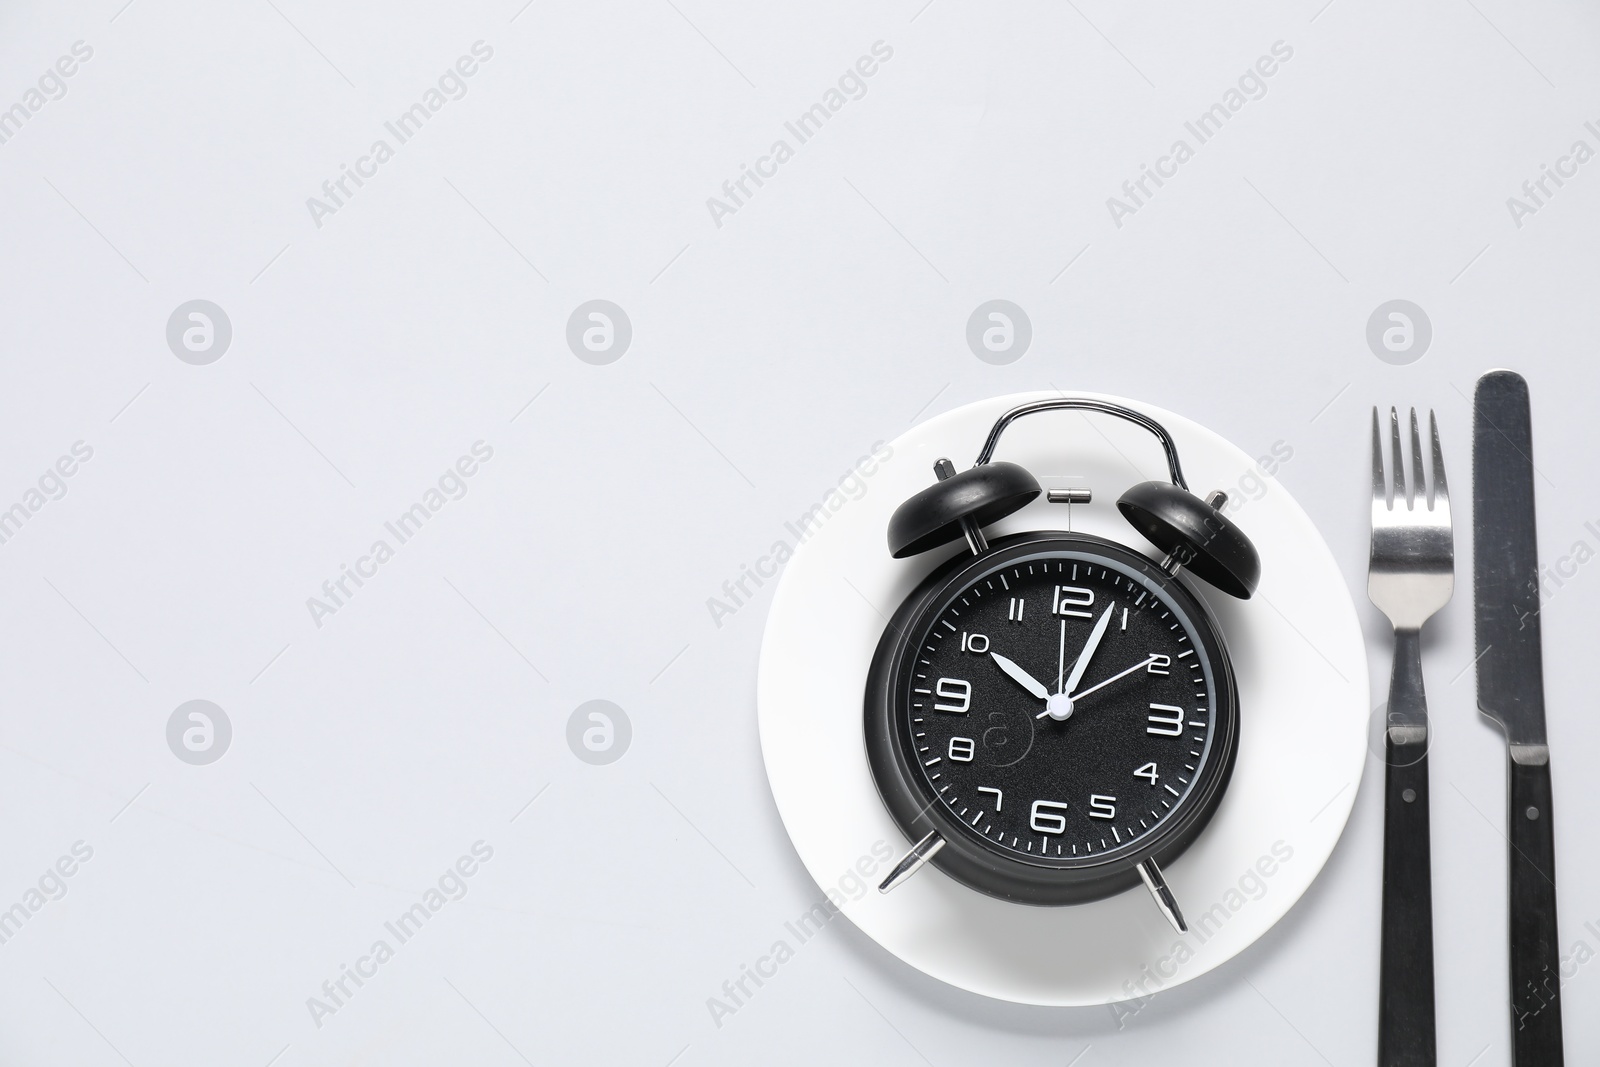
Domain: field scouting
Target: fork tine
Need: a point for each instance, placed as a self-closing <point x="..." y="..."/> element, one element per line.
<point x="1441" y="491"/>
<point x="1398" y="462"/>
<point x="1380" y="485"/>
<point x="1419" y="487"/>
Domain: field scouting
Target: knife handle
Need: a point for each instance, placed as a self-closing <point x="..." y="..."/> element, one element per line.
<point x="1535" y="951"/>
<point x="1406" y="1035"/>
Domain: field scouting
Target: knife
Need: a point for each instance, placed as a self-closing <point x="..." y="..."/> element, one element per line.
<point x="1511" y="692"/>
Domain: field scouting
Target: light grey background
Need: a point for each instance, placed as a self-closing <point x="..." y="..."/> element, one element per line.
<point x="828" y="312"/>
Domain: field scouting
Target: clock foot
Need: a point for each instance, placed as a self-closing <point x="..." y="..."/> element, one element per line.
<point x="912" y="861"/>
<point x="1157" y="885"/>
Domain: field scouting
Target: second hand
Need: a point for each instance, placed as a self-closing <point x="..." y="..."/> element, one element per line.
<point x="1101" y="685"/>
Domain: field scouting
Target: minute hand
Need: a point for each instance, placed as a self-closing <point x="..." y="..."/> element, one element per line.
<point x="1069" y="684"/>
<point x="1141" y="665"/>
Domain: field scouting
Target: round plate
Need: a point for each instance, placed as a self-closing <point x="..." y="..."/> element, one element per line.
<point x="1302" y="679"/>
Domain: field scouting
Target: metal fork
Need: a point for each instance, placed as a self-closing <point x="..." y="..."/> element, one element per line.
<point x="1412" y="575"/>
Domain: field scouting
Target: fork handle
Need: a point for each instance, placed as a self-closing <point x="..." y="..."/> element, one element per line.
<point x="1406" y="1034"/>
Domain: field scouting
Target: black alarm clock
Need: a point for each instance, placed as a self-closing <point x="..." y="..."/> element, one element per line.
<point x="1052" y="716"/>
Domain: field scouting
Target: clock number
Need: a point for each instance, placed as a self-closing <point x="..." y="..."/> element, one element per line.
<point x="1159" y="663"/>
<point x="1148" y="771"/>
<point x="953" y="689"/>
<point x="1165" y="720"/>
<point x="961" y="749"/>
<point x="1102" y="807"/>
<point x="1014" y="609"/>
<point x="1047" y="818"/>
<point x="998" y="796"/>
<point x="1069" y="598"/>
<point x="976" y="643"/>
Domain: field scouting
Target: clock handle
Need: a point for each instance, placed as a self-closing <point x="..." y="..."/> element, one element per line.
<point x="1073" y="403"/>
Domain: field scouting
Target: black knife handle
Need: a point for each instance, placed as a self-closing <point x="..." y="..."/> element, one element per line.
<point x="1406" y="1035"/>
<point x="1535" y="951"/>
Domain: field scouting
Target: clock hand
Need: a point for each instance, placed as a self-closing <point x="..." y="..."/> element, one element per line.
<point x="1020" y="676"/>
<point x="1059" y="705"/>
<point x="1072" y="700"/>
<point x="1061" y="659"/>
<point x="1115" y="677"/>
<point x="1088" y="650"/>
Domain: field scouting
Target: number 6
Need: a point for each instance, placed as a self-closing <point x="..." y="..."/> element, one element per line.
<point x="1044" y="820"/>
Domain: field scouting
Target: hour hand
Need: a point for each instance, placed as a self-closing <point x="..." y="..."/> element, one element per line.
<point x="1021" y="677"/>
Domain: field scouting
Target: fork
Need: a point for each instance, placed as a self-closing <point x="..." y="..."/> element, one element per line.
<point x="1412" y="575"/>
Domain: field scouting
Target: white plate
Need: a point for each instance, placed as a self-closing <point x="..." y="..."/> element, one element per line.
<point x="1302" y="677"/>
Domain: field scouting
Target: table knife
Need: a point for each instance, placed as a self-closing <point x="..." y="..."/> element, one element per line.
<point x="1511" y="692"/>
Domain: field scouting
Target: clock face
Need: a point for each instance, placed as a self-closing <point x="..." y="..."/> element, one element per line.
<point x="1060" y="704"/>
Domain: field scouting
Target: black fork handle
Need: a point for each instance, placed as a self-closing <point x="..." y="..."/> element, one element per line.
<point x="1406" y="1028"/>
<point x="1406" y="1034"/>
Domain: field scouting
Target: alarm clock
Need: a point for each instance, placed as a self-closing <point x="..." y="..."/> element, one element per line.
<point x="1051" y="717"/>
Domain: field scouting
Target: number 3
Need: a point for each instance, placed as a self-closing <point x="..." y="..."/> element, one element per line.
<point x="1166" y="720"/>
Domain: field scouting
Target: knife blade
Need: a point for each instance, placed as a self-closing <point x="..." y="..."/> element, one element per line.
<point x="1506" y="560"/>
<point x="1506" y="597"/>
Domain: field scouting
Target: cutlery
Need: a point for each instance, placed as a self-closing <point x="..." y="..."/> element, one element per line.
<point x="1412" y="575"/>
<point x="1511" y="692"/>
